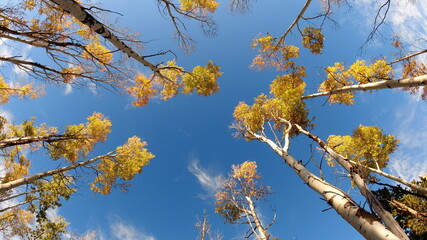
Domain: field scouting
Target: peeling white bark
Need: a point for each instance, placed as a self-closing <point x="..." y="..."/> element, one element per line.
<point x="30" y="179"/>
<point x="367" y="224"/>
<point x="262" y="233"/>
<point x="396" y="83"/>
<point x="361" y="185"/>
<point x="80" y="13"/>
<point x="32" y="139"/>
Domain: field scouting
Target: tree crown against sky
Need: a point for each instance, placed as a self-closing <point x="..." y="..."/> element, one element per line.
<point x="81" y="50"/>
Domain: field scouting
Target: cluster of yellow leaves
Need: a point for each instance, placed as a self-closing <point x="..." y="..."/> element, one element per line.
<point x="367" y="146"/>
<point x="98" y="52"/>
<point x="16" y="223"/>
<point x="173" y="75"/>
<point x="199" y="6"/>
<point x="377" y="71"/>
<point x="246" y="171"/>
<point x="26" y="91"/>
<point x="312" y="38"/>
<point x="51" y="192"/>
<point x="143" y="91"/>
<point x="338" y="76"/>
<point x="125" y="164"/>
<point x="418" y="226"/>
<point x="274" y="53"/>
<point x="289" y="85"/>
<point x="231" y="198"/>
<point x="16" y="164"/>
<point x="94" y="131"/>
<point x="49" y="229"/>
<point x="414" y="68"/>
<point x="287" y="104"/>
<point x="48" y="19"/>
<point x="27" y="129"/>
<point x="69" y="74"/>
<point x="202" y="80"/>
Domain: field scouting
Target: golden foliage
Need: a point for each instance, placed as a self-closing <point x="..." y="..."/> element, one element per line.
<point x="377" y="71"/>
<point x="232" y="197"/>
<point x="199" y="6"/>
<point x="94" y="131"/>
<point x="338" y="77"/>
<point x="274" y="53"/>
<point x="246" y="171"/>
<point x="143" y="91"/>
<point x="367" y="146"/>
<point x="69" y="74"/>
<point x="414" y="68"/>
<point x="289" y="85"/>
<point x="202" y="80"/>
<point x="26" y="91"/>
<point x="312" y="38"/>
<point x="98" y="52"/>
<point x="125" y="164"/>
<point x="173" y="75"/>
<point x="16" y="223"/>
<point x="16" y="165"/>
<point x="287" y="104"/>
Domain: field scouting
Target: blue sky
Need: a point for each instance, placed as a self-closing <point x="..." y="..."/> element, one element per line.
<point x="190" y="135"/>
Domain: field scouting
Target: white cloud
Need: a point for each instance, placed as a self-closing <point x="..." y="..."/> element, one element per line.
<point x="68" y="89"/>
<point x="410" y="161"/>
<point x="93" y="88"/>
<point x="124" y="231"/>
<point x="210" y="182"/>
<point x="5" y="49"/>
<point x="6" y="114"/>
<point x="407" y="19"/>
<point x="20" y="71"/>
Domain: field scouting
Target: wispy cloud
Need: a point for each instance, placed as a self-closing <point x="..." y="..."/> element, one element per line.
<point x="6" y="114"/>
<point x="122" y="230"/>
<point x="68" y="89"/>
<point x="209" y="181"/>
<point x="5" y="49"/>
<point x="407" y="19"/>
<point x="410" y="160"/>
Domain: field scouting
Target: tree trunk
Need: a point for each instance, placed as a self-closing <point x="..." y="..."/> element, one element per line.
<point x="396" y="83"/>
<point x="413" y="212"/>
<point x="367" y="224"/>
<point x="263" y="235"/>
<point x="32" y="139"/>
<point x="27" y="180"/>
<point x="361" y="184"/>
<point x="80" y="13"/>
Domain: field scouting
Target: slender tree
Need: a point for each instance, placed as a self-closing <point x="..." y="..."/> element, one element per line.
<point x="27" y="197"/>
<point x="70" y="35"/>
<point x="237" y="199"/>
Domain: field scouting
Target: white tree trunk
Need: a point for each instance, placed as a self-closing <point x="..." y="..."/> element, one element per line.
<point x="396" y="83"/>
<point x="32" y="139"/>
<point x="30" y="179"/>
<point x="262" y="233"/>
<point x="414" y="187"/>
<point x="367" y="224"/>
<point x="80" y="13"/>
<point x="361" y="184"/>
